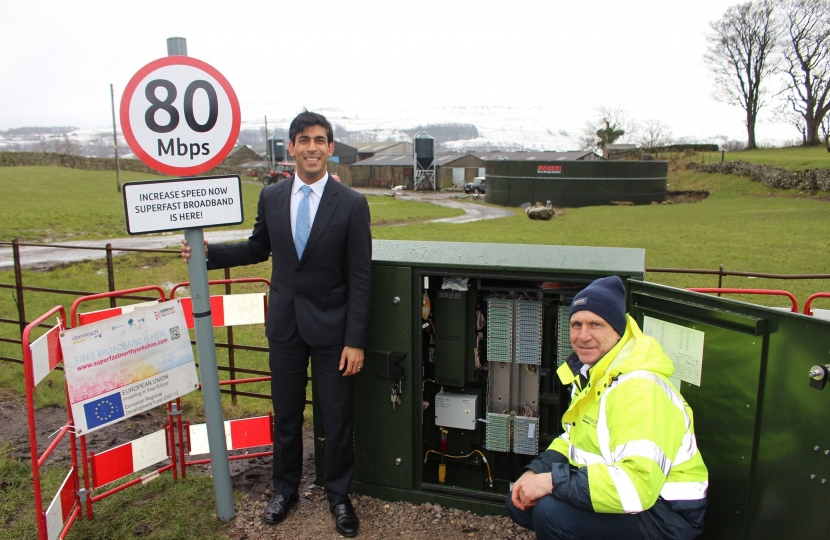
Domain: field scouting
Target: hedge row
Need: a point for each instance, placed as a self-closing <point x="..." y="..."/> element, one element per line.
<point x="808" y="180"/>
<point x="24" y="159"/>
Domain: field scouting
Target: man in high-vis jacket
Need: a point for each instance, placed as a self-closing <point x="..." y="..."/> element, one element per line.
<point x="627" y="464"/>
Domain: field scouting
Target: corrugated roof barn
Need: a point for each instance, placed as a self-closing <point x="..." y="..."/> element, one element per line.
<point x="392" y="170"/>
<point x="400" y="148"/>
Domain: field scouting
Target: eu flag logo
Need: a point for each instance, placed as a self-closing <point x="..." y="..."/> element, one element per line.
<point x="103" y="410"/>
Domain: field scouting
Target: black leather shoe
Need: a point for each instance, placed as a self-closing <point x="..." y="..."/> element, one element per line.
<point x="278" y="507"/>
<point x="345" y="519"/>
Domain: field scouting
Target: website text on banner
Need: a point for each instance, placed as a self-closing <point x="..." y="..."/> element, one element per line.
<point x="125" y="365"/>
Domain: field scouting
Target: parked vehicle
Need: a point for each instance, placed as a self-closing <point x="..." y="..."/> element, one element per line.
<point x="476" y="186"/>
<point x="283" y="170"/>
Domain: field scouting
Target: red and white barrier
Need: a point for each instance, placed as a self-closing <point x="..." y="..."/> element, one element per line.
<point x="239" y="434"/>
<point x="40" y="357"/>
<point x="46" y="353"/>
<point x="43" y="355"/>
<point x="228" y="310"/>
<point x="100" y="315"/>
<point x="129" y="458"/>
<point x="61" y="507"/>
<point x="231" y="310"/>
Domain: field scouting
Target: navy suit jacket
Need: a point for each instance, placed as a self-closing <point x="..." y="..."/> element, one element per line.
<point x="325" y="295"/>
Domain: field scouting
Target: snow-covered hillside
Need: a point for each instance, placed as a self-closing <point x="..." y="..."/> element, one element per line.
<point x="481" y="128"/>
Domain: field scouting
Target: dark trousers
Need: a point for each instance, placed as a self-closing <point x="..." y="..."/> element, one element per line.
<point x="555" y="519"/>
<point x="335" y="393"/>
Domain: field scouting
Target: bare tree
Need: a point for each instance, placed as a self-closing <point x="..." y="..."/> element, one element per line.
<point x="59" y="145"/>
<point x="606" y="128"/>
<point x="786" y="115"/>
<point x="805" y="50"/>
<point x="68" y="146"/>
<point x="825" y="131"/>
<point x="741" y="56"/>
<point x="653" y="134"/>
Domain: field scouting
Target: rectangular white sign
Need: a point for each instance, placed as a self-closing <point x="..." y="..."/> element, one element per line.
<point x="683" y="345"/>
<point x="187" y="203"/>
<point x="119" y="367"/>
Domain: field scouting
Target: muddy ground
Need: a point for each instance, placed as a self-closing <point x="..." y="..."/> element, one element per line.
<point x="309" y="520"/>
<point x="680" y="197"/>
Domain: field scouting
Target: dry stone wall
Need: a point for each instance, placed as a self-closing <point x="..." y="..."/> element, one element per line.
<point x="807" y="180"/>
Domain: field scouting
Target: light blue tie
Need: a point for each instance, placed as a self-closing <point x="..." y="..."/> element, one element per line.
<point x="302" y="226"/>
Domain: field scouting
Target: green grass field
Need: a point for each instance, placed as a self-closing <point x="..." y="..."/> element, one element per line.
<point x="742" y="225"/>
<point x="796" y="158"/>
<point x="59" y="204"/>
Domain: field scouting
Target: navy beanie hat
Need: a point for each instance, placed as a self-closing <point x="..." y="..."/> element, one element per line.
<point x="606" y="298"/>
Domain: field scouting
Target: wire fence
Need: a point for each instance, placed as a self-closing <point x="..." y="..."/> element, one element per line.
<point x="21" y="291"/>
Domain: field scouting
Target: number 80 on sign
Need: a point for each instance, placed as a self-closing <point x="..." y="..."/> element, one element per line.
<point x="180" y="115"/>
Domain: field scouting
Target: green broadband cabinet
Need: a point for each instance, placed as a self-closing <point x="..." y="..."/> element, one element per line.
<point x="459" y="390"/>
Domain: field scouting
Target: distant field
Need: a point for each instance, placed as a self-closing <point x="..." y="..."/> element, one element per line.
<point x="743" y="225"/>
<point x="796" y="158"/>
<point x="56" y="203"/>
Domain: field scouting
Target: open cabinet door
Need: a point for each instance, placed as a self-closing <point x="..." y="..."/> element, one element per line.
<point x="762" y="429"/>
<point x="383" y="439"/>
<point x="382" y="434"/>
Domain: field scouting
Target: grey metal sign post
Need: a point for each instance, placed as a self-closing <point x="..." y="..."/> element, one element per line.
<point x="181" y="117"/>
<point x="206" y="351"/>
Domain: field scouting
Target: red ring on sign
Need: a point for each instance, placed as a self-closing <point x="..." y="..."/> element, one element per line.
<point x="148" y="160"/>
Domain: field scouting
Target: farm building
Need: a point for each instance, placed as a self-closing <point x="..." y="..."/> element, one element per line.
<point x="240" y="155"/>
<point x="344" y="154"/>
<point x="386" y="171"/>
<point x="398" y="148"/>
<point x="383" y="171"/>
<point x="260" y="150"/>
<point x="619" y="150"/>
<point x="458" y="169"/>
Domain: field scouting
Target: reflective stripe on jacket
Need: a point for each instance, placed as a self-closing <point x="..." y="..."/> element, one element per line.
<point x="633" y="433"/>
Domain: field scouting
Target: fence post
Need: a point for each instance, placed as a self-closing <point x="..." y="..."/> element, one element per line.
<point x="110" y="274"/>
<point x="231" y="360"/>
<point x="18" y="285"/>
<point x="720" y="278"/>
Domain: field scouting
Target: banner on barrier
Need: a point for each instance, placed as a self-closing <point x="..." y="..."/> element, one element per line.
<point x="119" y="367"/>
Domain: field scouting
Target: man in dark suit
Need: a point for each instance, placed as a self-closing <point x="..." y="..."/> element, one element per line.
<point x="317" y="233"/>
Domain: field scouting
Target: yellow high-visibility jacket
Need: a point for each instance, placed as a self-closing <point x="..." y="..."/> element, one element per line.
<point x="629" y="441"/>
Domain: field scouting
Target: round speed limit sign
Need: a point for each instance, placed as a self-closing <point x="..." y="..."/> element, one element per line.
<point x="180" y="116"/>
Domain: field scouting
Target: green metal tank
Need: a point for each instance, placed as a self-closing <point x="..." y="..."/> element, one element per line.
<point x="571" y="184"/>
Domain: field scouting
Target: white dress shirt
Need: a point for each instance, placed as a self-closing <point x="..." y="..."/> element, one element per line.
<point x="313" y="199"/>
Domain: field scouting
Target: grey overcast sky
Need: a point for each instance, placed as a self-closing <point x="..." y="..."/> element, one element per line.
<point x="378" y="59"/>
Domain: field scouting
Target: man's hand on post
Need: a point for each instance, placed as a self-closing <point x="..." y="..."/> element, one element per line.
<point x="529" y="488"/>
<point x="186" y="250"/>
<point x="351" y="360"/>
